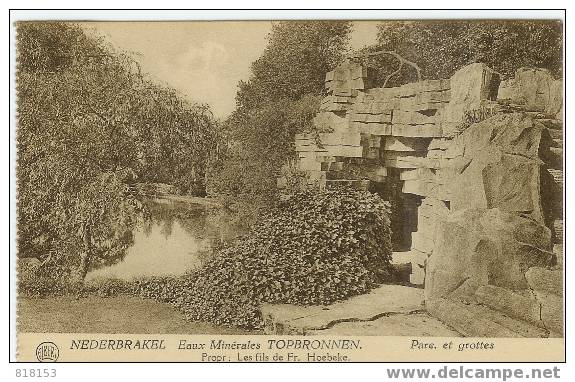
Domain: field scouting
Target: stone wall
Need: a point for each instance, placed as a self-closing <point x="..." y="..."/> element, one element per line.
<point x="479" y="165"/>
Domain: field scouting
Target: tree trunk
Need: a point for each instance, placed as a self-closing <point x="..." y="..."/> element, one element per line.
<point x="83" y="268"/>
<point x="85" y="256"/>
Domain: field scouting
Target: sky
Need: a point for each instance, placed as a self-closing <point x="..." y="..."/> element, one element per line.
<point x="204" y="61"/>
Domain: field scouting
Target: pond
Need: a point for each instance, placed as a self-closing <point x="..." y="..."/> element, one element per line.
<point x="177" y="237"/>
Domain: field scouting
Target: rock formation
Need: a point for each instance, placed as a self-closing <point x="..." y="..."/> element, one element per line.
<point x="474" y="167"/>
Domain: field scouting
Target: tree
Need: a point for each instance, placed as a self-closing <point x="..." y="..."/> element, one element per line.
<point x="440" y="47"/>
<point x="175" y="139"/>
<point x="88" y="125"/>
<point x="280" y="98"/>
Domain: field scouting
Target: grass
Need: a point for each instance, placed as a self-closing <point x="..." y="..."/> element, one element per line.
<point x="108" y="315"/>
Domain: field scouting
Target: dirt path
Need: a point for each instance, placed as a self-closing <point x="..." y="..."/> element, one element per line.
<point x="389" y="310"/>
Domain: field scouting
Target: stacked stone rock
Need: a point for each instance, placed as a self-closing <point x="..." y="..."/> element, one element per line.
<point x="473" y="156"/>
<point x="367" y="131"/>
<point x="340" y="153"/>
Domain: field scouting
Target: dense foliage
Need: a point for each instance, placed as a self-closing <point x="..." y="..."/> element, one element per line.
<point x="280" y="98"/>
<point x="440" y="47"/>
<point x="315" y="248"/>
<point x="88" y="125"/>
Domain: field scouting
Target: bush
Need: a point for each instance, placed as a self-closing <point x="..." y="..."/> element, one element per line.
<point x="38" y="280"/>
<point x="317" y="247"/>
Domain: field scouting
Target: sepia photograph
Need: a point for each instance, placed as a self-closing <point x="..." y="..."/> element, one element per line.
<point x="335" y="181"/>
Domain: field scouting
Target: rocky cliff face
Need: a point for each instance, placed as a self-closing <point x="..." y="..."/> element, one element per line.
<point x="478" y="163"/>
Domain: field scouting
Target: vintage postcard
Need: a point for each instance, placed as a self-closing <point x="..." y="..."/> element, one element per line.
<point x="290" y="191"/>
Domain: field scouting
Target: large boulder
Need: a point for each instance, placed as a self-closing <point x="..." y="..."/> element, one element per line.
<point x="476" y="247"/>
<point x="515" y="133"/>
<point x="545" y="280"/>
<point x="496" y="165"/>
<point x="476" y="320"/>
<point x="513" y="184"/>
<point x="471" y="86"/>
<point x="534" y="88"/>
<point x="523" y="306"/>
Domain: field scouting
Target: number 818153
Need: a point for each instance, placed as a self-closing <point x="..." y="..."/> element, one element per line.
<point x="35" y="373"/>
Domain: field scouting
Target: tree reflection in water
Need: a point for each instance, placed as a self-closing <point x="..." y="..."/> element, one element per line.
<point x="175" y="237"/>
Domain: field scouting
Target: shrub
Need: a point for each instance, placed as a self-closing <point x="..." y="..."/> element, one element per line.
<point x="38" y="280"/>
<point x="316" y="247"/>
<point x="165" y="289"/>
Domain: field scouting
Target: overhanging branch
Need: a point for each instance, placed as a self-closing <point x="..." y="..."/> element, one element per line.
<point x="401" y="60"/>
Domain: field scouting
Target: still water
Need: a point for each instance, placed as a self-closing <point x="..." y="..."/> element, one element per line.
<point x="177" y="237"/>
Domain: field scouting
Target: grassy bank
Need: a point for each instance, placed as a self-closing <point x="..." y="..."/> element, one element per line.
<point x="108" y="315"/>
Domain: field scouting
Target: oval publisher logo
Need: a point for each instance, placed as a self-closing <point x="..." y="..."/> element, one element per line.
<point x="47" y="352"/>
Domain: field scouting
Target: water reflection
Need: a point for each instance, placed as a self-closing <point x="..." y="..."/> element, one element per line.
<point x="176" y="237"/>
